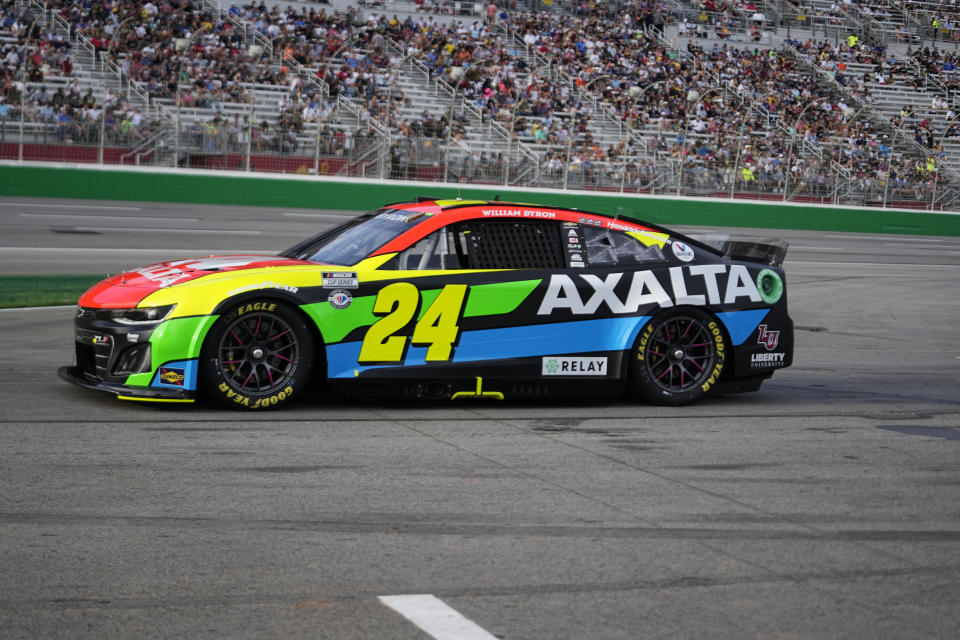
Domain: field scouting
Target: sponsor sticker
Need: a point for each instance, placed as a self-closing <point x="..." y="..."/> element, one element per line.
<point x="170" y="273"/>
<point x="520" y="213"/>
<point x="172" y="376"/>
<point x="571" y="366"/>
<point x="767" y="359"/>
<point x="340" y="280"/>
<point x="722" y="284"/>
<point x="683" y="251"/>
<point x="574" y="246"/>
<point x="769" y="339"/>
<point x="620" y="226"/>
<point x="263" y="285"/>
<point x="340" y="299"/>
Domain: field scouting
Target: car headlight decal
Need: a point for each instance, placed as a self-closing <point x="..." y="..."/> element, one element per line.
<point x="141" y="316"/>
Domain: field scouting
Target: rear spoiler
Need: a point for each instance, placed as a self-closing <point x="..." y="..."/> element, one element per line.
<point x="769" y="251"/>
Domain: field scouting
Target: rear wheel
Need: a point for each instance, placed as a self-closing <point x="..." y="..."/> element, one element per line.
<point x="259" y="355"/>
<point x="678" y="357"/>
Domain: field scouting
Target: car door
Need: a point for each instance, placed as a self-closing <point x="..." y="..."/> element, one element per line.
<point x="464" y="296"/>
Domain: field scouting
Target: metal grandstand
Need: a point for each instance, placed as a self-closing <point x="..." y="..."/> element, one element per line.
<point x="414" y="120"/>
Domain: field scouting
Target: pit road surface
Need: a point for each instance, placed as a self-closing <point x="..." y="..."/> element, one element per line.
<point x="826" y="505"/>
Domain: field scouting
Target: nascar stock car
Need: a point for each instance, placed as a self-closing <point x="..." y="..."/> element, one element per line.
<point x="446" y="299"/>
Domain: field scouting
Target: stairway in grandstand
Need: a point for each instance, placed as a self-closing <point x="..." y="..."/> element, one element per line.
<point x="89" y="75"/>
<point x="896" y="85"/>
<point x="373" y="139"/>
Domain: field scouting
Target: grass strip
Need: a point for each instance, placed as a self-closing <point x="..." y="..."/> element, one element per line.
<point x="45" y="290"/>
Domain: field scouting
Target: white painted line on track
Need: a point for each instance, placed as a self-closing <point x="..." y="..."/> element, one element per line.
<point x="225" y="232"/>
<point x="69" y="206"/>
<point x="57" y="308"/>
<point x="77" y="216"/>
<point x="925" y="247"/>
<point x="115" y="250"/>
<point x="889" y="237"/>
<point x="879" y="236"/>
<point x="855" y="263"/>
<point x="436" y="617"/>
<point x="804" y="248"/>
<point x="314" y="216"/>
<point x="920" y="245"/>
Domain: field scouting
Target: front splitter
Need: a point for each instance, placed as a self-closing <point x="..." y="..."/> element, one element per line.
<point x="124" y="392"/>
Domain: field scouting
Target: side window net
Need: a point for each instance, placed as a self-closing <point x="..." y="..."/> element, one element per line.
<point x="511" y="245"/>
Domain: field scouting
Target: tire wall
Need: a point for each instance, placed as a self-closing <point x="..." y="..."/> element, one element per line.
<point x="233" y="188"/>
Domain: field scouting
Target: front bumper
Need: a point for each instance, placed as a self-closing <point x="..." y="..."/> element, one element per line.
<point x="146" y="361"/>
<point x="75" y="375"/>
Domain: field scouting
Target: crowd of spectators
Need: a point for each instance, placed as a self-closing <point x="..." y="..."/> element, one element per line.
<point x="38" y="87"/>
<point x="686" y="103"/>
<point x="940" y="64"/>
<point x="940" y="19"/>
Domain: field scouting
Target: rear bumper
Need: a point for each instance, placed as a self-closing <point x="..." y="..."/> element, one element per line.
<point x="74" y="375"/>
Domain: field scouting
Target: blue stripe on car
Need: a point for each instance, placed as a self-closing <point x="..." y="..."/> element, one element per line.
<point x="740" y="324"/>
<point x="584" y="336"/>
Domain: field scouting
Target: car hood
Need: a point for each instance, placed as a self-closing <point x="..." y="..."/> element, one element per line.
<point x="126" y="290"/>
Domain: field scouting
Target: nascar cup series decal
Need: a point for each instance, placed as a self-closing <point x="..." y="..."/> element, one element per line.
<point x="340" y="280"/>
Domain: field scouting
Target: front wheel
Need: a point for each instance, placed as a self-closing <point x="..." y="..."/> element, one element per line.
<point x="678" y="357"/>
<point x="258" y="355"/>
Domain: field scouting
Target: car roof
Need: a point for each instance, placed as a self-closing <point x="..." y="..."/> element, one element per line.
<point x="437" y="213"/>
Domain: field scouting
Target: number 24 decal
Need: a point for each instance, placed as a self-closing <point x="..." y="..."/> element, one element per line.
<point x="437" y="328"/>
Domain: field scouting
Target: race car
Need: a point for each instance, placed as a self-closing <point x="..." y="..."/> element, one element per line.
<point x="446" y="299"/>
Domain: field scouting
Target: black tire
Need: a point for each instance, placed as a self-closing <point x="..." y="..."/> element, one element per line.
<point x="678" y="357"/>
<point x="258" y="355"/>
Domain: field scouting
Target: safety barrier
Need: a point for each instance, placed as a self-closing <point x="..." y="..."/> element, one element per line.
<point x="238" y="188"/>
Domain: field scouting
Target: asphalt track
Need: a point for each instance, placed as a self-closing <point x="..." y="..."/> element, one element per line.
<point x="827" y="505"/>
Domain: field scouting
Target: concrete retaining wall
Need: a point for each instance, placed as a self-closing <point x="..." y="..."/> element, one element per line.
<point x="225" y="188"/>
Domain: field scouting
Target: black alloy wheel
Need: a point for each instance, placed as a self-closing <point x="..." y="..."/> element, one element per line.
<point x="259" y="355"/>
<point x="679" y="357"/>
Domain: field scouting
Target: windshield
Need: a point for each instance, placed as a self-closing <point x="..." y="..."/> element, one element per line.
<point x="352" y="242"/>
